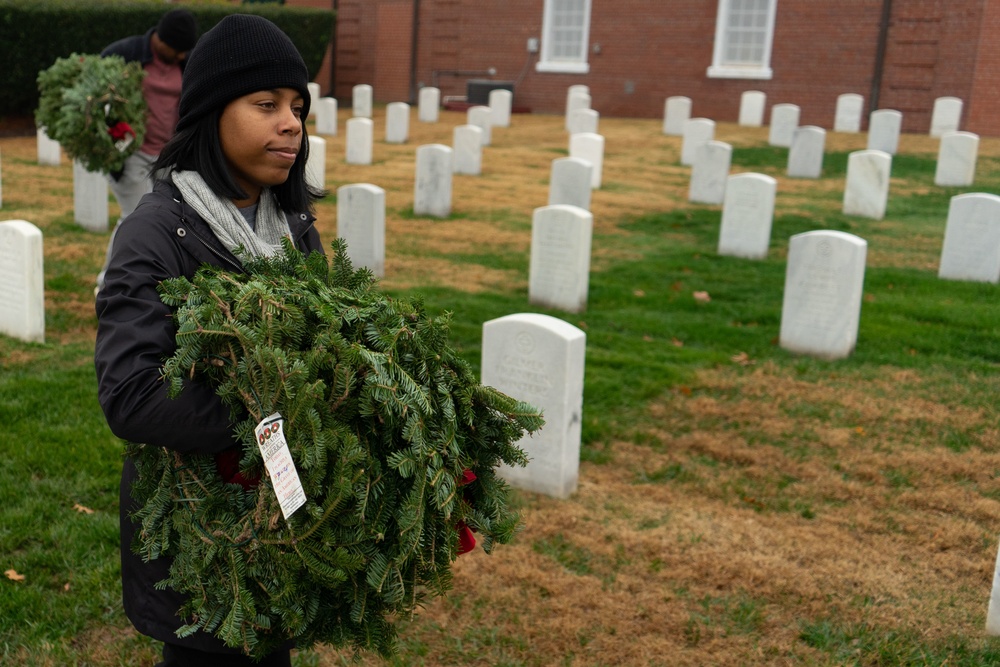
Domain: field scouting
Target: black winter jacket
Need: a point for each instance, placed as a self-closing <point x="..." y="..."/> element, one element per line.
<point x="136" y="48"/>
<point x="163" y="238"/>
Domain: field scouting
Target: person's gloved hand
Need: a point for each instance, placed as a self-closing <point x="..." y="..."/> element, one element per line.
<point x="227" y="462"/>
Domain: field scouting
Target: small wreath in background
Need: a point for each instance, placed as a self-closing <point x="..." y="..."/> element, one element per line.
<point x="93" y="106"/>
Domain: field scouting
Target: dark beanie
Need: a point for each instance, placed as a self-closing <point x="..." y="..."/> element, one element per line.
<point x="178" y="30"/>
<point x="242" y="54"/>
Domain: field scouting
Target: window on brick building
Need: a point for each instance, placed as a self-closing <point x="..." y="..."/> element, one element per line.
<point x="565" y="36"/>
<point x="744" y="30"/>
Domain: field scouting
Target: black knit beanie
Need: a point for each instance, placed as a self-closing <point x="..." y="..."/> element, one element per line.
<point x="242" y="54"/>
<point x="178" y="30"/>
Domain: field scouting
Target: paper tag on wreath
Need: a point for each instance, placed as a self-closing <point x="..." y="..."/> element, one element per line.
<point x="280" y="466"/>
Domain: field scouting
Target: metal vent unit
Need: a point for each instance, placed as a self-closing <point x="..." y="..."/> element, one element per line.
<point x="477" y="91"/>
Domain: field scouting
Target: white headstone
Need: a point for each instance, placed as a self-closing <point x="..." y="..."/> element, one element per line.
<point x="326" y="116"/>
<point x="574" y="101"/>
<point x="676" y="112"/>
<point x="584" y="120"/>
<point x="971" y="249"/>
<point x="956" y="162"/>
<point x="590" y="147"/>
<point x="883" y="130"/>
<point x="467" y="141"/>
<point x="500" y="102"/>
<point x="90" y="198"/>
<point x="784" y="120"/>
<point x="316" y="163"/>
<point x="752" y="103"/>
<point x="824" y="280"/>
<point x="709" y="172"/>
<point x="49" y="150"/>
<point x="993" y="607"/>
<point x="574" y="89"/>
<point x="569" y="182"/>
<point x="428" y="104"/>
<point x="747" y="214"/>
<point x="482" y="117"/>
<point x="696" y="132"/>
<point x="946" y="116"/>
<point x="539" y="359"/>
<point x="850" y="109"/>
<point x="314" y="93"/>
<point x="805" y="157"/>
<point x="22" y="281"/>
<point x="361" y="101"/>
<point x="1" y="184"/>
<point x="361" y="223"/>
<point x="867" y="190"/>
<point x="432" y="185"/>
<point x="359" y="141"/>
<point x="397" y="122"/>
<point x="559" y="272"/>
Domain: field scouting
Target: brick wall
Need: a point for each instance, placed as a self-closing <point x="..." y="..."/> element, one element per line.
<point x="323" y="76"/>
<point x="652" y="49"/>
<point x="982" y="108"/>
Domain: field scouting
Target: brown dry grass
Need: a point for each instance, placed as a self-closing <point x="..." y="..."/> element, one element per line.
<point x="756" y="501"/>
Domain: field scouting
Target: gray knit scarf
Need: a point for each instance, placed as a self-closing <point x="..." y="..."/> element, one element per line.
<point x="228" y="225"/>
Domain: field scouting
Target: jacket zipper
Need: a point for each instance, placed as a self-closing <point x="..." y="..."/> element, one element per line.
<point x="211" y="249"/>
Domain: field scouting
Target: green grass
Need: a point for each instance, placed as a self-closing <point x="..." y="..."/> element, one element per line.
<point x="646" y="336"/>
<point x="865" y="644"/>
<point x="58" y="454"/>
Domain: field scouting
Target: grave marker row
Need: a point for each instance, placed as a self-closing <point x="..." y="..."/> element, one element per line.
<point x="848" y="113"/>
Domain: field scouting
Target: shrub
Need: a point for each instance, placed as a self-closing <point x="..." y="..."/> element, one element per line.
<point x="38" y="32"/>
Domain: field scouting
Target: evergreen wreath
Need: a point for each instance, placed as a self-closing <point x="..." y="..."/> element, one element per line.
<point x="93" y="106"/>
<point x="394" y="440"/>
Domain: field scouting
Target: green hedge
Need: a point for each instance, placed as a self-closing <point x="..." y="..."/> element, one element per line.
<point x="37" y="32"/>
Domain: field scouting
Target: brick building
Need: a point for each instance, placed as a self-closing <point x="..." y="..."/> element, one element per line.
<point x="633" y="54"/>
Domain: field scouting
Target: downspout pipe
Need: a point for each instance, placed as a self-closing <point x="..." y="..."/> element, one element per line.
<point x="335" y="6"/>
<point x="883" y="38"/>
<point x="414" y="38"/>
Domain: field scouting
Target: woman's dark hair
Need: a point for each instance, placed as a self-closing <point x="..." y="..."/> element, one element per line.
<point x="198" y="148"/>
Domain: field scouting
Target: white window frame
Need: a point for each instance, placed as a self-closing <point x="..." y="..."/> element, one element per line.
<point x="547" y="61"/>
<point x="720" y="69"/>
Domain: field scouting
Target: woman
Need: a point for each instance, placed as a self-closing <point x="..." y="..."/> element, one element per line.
<point x="233" y="183"/>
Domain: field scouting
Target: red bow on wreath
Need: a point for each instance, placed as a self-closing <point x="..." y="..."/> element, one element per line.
<point x="466" y="540"/>
<point x="120" y="129"/>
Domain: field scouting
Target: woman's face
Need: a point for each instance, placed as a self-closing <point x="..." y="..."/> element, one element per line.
<point x="261" y="135"/>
